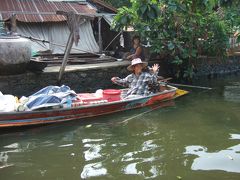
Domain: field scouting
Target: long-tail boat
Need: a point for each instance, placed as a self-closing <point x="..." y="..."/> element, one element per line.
<point x="88" y="107"/>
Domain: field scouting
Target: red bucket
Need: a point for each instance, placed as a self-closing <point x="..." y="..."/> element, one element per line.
<point x="112" y="94"/>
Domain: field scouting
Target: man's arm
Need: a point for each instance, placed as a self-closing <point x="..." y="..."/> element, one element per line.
<point x="122" y="82"/>
<point x="136" y="54"/>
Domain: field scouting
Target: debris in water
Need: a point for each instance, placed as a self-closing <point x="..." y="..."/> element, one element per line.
<point x="230" y="157"/>
<point x="66" y="145"/>
<point x="88" y="126"/>
<point x="42" y="172"/>
<point x="179" y="177"/>
<point x="6" y="166"/>
<point x="14" y="145"/>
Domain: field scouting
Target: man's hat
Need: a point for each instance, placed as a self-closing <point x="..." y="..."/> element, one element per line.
<point x="136" y="61"/>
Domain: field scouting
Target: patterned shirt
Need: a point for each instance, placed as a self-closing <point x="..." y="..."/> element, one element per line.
<point x="138" y="85"/>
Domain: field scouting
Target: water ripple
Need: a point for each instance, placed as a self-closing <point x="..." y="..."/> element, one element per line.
<point x="226" y="160"/>
<point x="93" y="170"/>
<point x="93" y="151"/>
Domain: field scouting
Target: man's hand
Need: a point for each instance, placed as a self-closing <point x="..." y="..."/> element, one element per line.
<point x="113" y="79"/>
<point x="130" y="57"/>
<point x="155" y="68"/>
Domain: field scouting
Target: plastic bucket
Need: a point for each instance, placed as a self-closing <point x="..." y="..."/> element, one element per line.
<point x="112" y="94"/>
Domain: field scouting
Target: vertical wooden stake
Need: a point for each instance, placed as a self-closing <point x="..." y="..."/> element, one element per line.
<point x="65" y="58"/>
<point x="13" y="24"/>
<point x="100" y="35"/>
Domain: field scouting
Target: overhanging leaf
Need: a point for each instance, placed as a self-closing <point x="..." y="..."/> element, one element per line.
<point x="170" y="46"/>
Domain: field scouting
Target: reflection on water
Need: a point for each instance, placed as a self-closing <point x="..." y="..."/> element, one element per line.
<point x="137" y="158"/>
<point x="234" y="136"/>
<point x="93" y="149"/>
<point x="198" y="139"/>
<point x="94" y="169"/>
<point x="92" y="152"/>
<point x="225" y="160"/>
<point x="232" y="92"/>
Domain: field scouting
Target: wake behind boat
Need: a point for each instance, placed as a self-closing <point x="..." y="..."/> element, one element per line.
<point x="88" y="105"/>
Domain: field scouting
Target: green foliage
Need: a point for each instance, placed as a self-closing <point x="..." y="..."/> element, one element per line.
<point x="181" y="29"/>
<point x="124" y="17"/>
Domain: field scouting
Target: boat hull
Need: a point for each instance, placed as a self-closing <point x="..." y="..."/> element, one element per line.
<point x="81" y="112"/>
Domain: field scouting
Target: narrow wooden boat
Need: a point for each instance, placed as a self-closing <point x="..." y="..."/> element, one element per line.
<point x="26" y="118"/>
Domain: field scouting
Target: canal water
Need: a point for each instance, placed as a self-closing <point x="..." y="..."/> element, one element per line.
<point x="196" y="137"/>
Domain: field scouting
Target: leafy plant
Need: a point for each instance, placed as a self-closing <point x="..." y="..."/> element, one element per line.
<point x="181" y="29"/>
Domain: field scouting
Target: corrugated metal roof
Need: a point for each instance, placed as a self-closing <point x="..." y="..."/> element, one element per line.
<point x="40" y="10"/>
<point x="105" y="5"/>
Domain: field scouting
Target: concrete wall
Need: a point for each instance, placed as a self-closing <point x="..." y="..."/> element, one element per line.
<point x="204" y="67"/>
<point x="212" y="67"/>
<point x="80" y="78"/>
<point x="89" y="78"/>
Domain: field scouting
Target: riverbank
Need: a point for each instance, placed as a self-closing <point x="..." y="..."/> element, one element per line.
<point x="90" y="77"/>
<point x="212" y="68"/>
<point x="80" y="78"/>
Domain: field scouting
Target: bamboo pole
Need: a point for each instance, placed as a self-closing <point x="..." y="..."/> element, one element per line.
<point x="182" y="85"/>
<point x="66" y="55"/>
<point x="13" y="24"/>
<point x="112" y="40"/>
<point x="189" y="86"/>
<point x="100" y="44"/>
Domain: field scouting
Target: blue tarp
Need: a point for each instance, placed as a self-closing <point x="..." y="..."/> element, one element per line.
<point x="50" y="96"/>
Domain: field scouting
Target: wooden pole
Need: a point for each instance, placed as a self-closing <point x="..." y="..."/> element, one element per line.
<point x="73" y="21"/>
<point x="66" y="55"/>
<point x="183" y="85"/>
<point x="190" y="86"/>
<point x="112" y="40"/>
<point x="100" y="35"/>
<point x="13" y="24"/>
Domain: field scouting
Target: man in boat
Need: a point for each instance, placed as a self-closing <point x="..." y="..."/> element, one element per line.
<point x="139" y="81"/>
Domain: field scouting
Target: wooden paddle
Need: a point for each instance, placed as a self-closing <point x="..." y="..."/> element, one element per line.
<point x="160" y="79"/>
<point x="190" y="86"/>
<point x="183" y="85"/>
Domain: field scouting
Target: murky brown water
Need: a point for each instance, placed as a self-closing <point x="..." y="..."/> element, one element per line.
<point x="198" y="138"/>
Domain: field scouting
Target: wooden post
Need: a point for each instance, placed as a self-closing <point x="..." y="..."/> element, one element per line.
<point x="66" y="54"/>
<point x="13" y="24"/>
<point x="73" y="21"/>
<point x="100" y="35"/>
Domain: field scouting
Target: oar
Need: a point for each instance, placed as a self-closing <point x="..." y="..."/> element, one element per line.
<point x="182" y="85"/>
<point x="164" y="80"/>
<point x="190" y="86"/>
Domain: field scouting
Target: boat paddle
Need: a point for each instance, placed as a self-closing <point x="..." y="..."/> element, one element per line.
<point x="182" y="85"/>
<point x="189" y="86"/>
